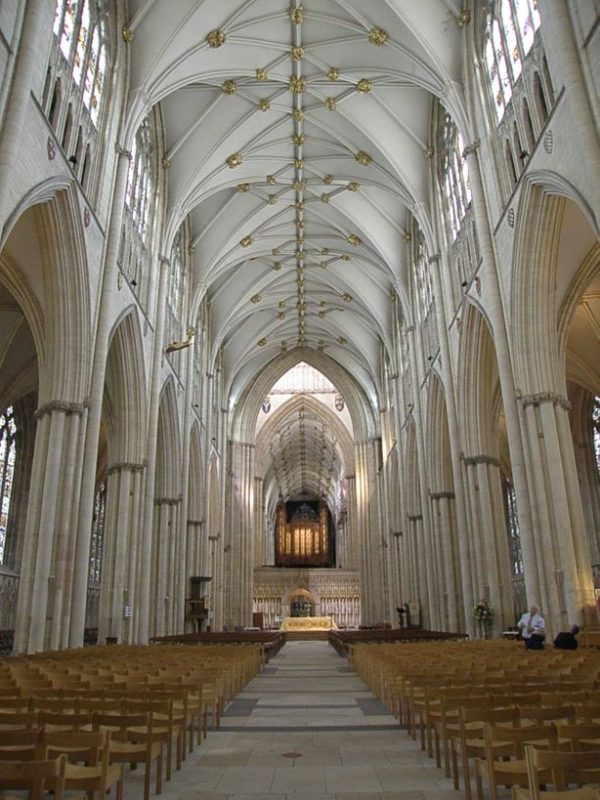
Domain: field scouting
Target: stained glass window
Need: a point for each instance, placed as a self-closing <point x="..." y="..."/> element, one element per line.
<point x="509" y="37"/>
<point x="512" y="527"/>
<point x="8" y="432"/>
<point x="596" y="433"/>
<point x="97" y="540"/>
<point x="455" y="174"/>
<point x="81" y="36"/>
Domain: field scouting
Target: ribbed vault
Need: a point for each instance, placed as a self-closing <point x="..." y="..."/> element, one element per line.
<point x="297" y="138"/>
<point x="303" y="451"/>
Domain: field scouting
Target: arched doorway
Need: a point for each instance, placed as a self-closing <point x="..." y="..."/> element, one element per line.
<point x="302" y="603"/>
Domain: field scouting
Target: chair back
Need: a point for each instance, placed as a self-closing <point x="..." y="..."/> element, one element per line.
<point x="35" y="776"/>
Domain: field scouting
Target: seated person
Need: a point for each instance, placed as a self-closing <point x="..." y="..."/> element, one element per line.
<point x="533" y="629"/>
<point x="566" y="639"/>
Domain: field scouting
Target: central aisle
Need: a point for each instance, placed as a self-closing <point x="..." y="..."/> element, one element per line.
<point x="308" y="727"/>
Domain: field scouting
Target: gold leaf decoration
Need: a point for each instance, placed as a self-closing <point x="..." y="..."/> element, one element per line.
<point x="272" y="198"/>
<point x="243" y="187"/>
<point x="281" y="315"/>
<point x="378" y="36"/>
<point x="256" y="298"/>
<point x="323" y="264"/>
<point x="298" y="139"/>
<point x="363" y="158"/>
<point x="263" y="104"/>
<point x="271" y="180"/>
<point x="298" y="163"/>
<point x="353" y="239"/>
<point x="346" y="257"/>
<point x="247" y="241"/>
<point x="277" y="266"/>
<point x="127" y="34"/>
<point x="333" y="73"/>
<point x="261" y="342"/>
<point x="328" y="180"/>
<point x="353" y="186"/>
<point x="300" y="205"/>
<point x="234" y="160"/>
<point x="325" y="251"/>
<point x="342" y="340"/>
<point x="275" y="251"/>
<point x="297" y="84"/>
<point x="297" y="53"/>
<point x="347" y="297"/>
<point x="330" y="103"/>
<point x="297" y="15"/>
<point x="298" y="186"/>
<point x="261" y="74"/>
<point x="215" y="39"/>
<point x="229" y="87"/>
<point x="325" y="197"/>
<point x="364" y="86"/>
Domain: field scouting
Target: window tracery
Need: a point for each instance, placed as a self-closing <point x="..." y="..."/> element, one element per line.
<point x="596" y="433"/>
<point x="8" y="433"/>
<point x="75" y="89"/>
<point x="509" y="37"/>
<point x="512" y="527"/>
<point x="139" y="211"/>
<point x="454" y="174"/>
<point x="97" y="539"/>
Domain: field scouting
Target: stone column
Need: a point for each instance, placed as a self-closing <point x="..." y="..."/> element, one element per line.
<point x="566" y="585"/>
<point x="492" y="569"/>
<point x="92" y="432"/>
<point x="351" y="528"/>
<point x="418" y="564"/>
<point x="145" y="554"/>
<point x="490" y="284"/>
<point x="260" y="533"/>
<point x="120" y="551"/>
<point x="46" y="573"/>
<point x="442" y="503"/>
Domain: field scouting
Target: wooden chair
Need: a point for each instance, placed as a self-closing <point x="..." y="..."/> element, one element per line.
<point x="537" y="715"/>
<point x="88" y="768"/>
<point x="510" y="743"/>
<point x="35" y="777"/>
<point x="163" y="725"/>
<point x="580" y="736"/>
<point x="469" y="743"/>
<point x="561" y="768"/>
<point x="132" y="741"/>
<point x="23" y="745"/>
<point x="19" y="721"/>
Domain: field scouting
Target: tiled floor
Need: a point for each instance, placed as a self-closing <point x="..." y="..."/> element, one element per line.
<point x="306" y="728"/>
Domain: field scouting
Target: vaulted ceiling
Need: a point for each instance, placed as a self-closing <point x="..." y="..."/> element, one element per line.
<point x="298" y="141"/>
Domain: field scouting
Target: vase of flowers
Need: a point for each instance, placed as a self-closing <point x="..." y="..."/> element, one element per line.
<point x="483" y="614"/>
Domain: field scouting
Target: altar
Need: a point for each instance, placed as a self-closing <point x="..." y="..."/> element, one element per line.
<point x="308" y="624"/>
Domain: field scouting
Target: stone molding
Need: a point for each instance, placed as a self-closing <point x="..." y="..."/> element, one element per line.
<point x="415" y="517"/>
<point x="480" y="459"/>
<point x="167" y="501"/>
<point x="64" y="406"/>
<point x="441" y="495"/>
<point x="125" y="466"/>
<point x="545" y="397"/>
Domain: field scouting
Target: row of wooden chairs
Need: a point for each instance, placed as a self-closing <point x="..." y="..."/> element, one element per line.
<point x="147" y="701"/>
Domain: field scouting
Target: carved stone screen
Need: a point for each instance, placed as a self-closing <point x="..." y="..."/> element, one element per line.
<point x="302" y="535"/>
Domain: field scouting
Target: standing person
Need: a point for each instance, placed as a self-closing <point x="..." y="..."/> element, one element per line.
<point x="533" y="629"/>
<point x="566" y="639"/>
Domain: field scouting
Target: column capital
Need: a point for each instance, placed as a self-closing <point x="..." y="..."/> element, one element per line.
<point x="125" y="466"/>
<point x="480" y="459"/>
<point x="441" y="495"/>
<point x="121" y="151"/>
<point x="545" y="397"/>
<point x="471" y="148"/>
<point x="167" y="501"/>
<point x="64" y="406"/>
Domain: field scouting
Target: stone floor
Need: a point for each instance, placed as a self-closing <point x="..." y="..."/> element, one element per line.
<point x="305" y="728"/>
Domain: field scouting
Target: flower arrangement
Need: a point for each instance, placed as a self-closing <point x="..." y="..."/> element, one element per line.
<point x="482" y="611"/>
